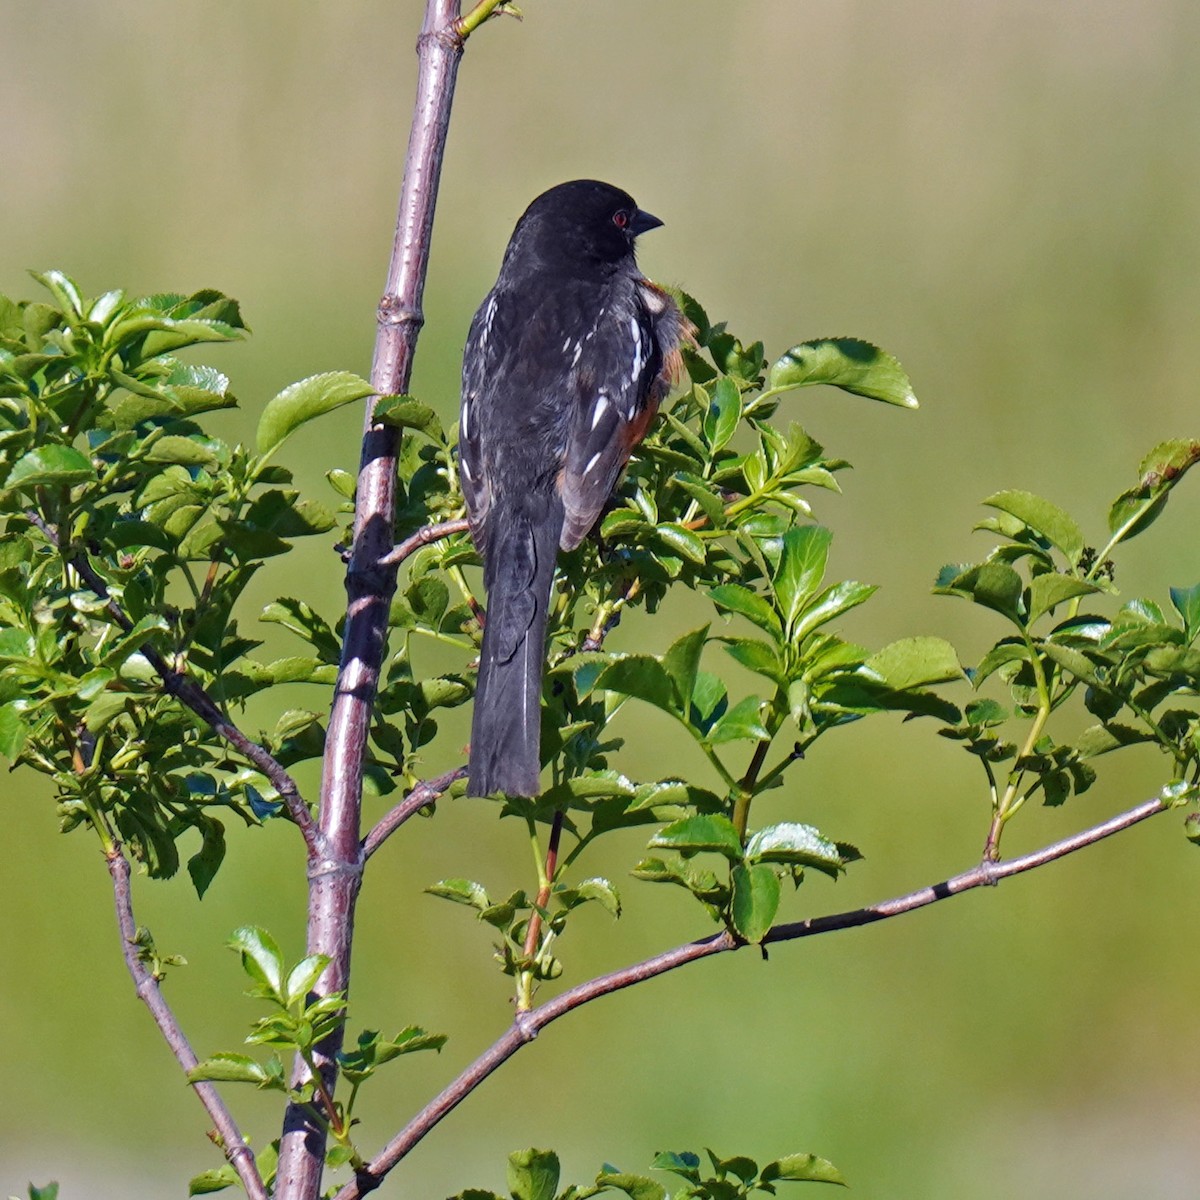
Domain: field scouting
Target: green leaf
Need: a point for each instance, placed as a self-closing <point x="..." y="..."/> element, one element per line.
<point x="755" y="900"/>
<point x="204" y="864"/>
<point x="743" y="722"/>
<point x="915" y="663"/>
<point x="801" y="567"/>
<point x="735" y="598"/>
<point x="533" y="1174"/>
<point x="992" y="584"/>
<point x="261" y="958"/>
<point x="51" y="466"/>
<point x="724" y="411"/>
<point x="13" y="730"/>
<point x="1135" y="510"/>
<point x="1048" y="590"/>
<point x="406" y="413"/>
<point x="228" y="1068"/>
<point x="848" y="363"/>
<point x="216" y="1180"/>
<point x="794" y="843"/>
<point x="757" y="656"/>
<point x="832" y="602"/>
<point x="638" y="1187"/>
<point x="303" y="977"/>
<point x="303" y="401"/>
<point x="641" y="676"/>
<point x="682" y="541"/>
<point x="461" y="891"/>
<point x="684" y="1163"/>
<point x="1187" y="605"/>
<point x="682" y="661"/>
<point x="695" y="834"/>
<point x="802" y="1167"/>
<point x="49" y="1192"/>
<point x="1056" y="526"/>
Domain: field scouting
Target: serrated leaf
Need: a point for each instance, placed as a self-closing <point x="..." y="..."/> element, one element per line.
<point x="682" y="541"/>
<point x="461" y="891"/>
<point x="743" y="722"/>
<point x="641" y="676"/>
<point x="533" y="1174"/>
<point x="830" y="603"/>
<point x="735" y="598"/>
<point x="802" y="560"/>
<point x="703" y="832"/>
<point x="261" y="957"/>
<point x="847" y="363"/>
<point x="228" y="1068"/>
<point x="1053" y="523"/>
<point x="994" y="585"/>
<point x="1135" y="510"/>
<point x="915" y="663"/>
<point x="51" y="466"/>
<point x="1048" y="590"/>
<point x="802" y="1167"/>
<point x="406" y="413"/>
<point x="682" y="662"/>
<point x="1187" y="604"/>
<point x="637" y="1187"/>
<point x="685" y="1164"/>
<point x="216" y="1180"/>
<point x="303" y="977"/>
<point x="792" y="842"/>
<point x="302" y="401"/>
<point x="14" y="730"/>
<point x="755" y="900"/>
<point x="724" y="411"/>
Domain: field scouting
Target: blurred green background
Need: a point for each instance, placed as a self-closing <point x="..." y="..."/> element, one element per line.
<point x="1004" y="195"/>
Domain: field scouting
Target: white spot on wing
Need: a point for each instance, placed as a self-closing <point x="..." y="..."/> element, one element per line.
<point x="464" y="469"/>
<point x="592" y="462"/>
<point x="464" y="419"/>
<point x="639" y="352"/>
<point x="578" y="352"/>
<point x="600" y="410"/>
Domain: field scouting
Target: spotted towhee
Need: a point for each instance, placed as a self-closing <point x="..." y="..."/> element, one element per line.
<point x="565" y="365"/>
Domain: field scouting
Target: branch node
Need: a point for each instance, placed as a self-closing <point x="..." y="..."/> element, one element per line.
<point x="393" y="311"/>
<point x="449" y="38"/>
<point x="526" y="1025"/>
<point x="331" y="868"/>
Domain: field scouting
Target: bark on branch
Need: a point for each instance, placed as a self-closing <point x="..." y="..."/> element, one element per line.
<point x="370" y="581"/>
<point x="240" y="1156"/>
<point x="528" y="1025"/>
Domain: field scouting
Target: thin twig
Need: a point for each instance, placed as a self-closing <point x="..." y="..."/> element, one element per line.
<point x="333" y="886"/>
<point x="423" y="795"/>
<point x="240" y="1156"/>
<point x="190" y="694"/>
<point x="423" y="537"/>
<point x="528" y="1025"/>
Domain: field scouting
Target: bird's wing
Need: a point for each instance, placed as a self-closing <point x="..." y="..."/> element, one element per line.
<point x="615" y="376"/>
<point x="478" y="366"/>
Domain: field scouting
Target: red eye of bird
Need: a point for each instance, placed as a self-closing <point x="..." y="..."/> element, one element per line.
<point x="620" y="218"/>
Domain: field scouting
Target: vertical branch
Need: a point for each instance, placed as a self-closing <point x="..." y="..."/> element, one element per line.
<point x="334" y="881"/>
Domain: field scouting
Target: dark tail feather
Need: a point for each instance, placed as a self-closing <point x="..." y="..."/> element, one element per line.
<point x="506" y="724"/>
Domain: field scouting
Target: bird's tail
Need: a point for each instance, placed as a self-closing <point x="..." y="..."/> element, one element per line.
<point x="506" y="724"/>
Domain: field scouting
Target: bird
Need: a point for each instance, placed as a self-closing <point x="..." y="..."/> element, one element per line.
<point x="566" y="362"/>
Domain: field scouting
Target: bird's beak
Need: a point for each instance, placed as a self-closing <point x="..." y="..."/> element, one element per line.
<point x="643" y="222"/>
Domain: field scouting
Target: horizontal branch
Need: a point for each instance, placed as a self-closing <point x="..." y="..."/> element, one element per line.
<point x="423" y="537"/>
<point x="189" y="693"/>
<point x="424" y="794"/>
<point x="240" y="1156"/>
<point x="526" y="1026"/>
